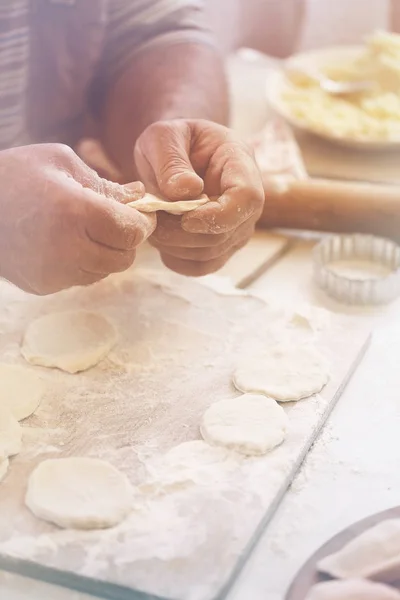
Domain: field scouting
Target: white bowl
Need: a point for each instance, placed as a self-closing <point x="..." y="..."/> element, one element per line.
<point x="277" y="83"/>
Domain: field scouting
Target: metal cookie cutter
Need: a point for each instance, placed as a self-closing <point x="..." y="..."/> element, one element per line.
<point x="358" y="269"/>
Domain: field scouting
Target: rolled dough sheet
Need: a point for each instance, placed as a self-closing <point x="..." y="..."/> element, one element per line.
<point x="284" y="372"/>
<point x="10" y="434"/>
<point x="72" y="340"/>
<point x="3" y="468"/>
<point x="251" y="424"/>
<point x="21" y="390"/>
<point x="79" y="493"/>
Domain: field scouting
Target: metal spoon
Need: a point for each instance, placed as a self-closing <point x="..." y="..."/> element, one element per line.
<point x="330" y="86"/>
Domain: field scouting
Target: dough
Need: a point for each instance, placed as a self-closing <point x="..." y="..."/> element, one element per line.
<point x="251" y="424"/>
<point x="72" y="341"/>
<point x="189" y="463"/>
<point x="80" y="493"/>
<point x="10" y="434"/>
<point x="150" y="203"/>
<point x="3" y="468"/>
<point x="374" y="552"/>
<point x="352" y="590"/>
<point x="21" y="390"/>
<point x="285" y="373"/>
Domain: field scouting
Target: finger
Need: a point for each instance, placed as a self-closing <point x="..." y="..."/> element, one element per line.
<point x="242" y="193"/>
<point x="203" y="254"/>
<point x="115" y="225"/>
<point x="162" y="159"/>
<point x="193" y="268"/>
<point x="170" y="233"/>
<point x="100" y="260"/>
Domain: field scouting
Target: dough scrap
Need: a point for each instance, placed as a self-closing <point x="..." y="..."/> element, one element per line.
<point x="10" y="434"/>
<point x="194" y="462"/>
<point x="3" y="468"/>
<point x="72" y="341"/>
<point x="21" y="390"/>
<point x="352" y="590"/>
<point x="251" y="424"/>
<point x="79" y="493"/>
<point x="285" y="373"/>
<point x="150" y="203"/>
<point x="370" y="554"/>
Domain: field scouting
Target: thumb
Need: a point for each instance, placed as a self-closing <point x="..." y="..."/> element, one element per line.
<point x="122" y="193"/>
<point x="162" y="157"/>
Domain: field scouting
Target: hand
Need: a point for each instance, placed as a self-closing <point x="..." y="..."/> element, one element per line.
<point x="180" y="160"/>
<point x="60" y="224"/>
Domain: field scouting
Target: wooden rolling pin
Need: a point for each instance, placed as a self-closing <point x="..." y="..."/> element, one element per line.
<point x="336" y="206"/>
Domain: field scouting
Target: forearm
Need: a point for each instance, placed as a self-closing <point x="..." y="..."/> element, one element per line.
<point x="184" y="80"/>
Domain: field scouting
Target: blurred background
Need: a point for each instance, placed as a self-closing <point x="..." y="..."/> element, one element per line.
<point x="280" y="27"/>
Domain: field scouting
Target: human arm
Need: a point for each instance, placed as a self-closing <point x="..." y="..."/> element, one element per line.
<point x="176" y="118"/>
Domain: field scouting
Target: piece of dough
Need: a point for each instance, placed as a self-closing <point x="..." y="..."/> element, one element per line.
<point x="79" y="493"/>
<point x="72" y="341"/>
<point x="3" y="468"/>
<point x="189" y="463"/>
<point x="10" y="434"/>
<point x="150" y="203"/>
<point x="286" y="373"/>
<point x="251" y="424"/>
<point x="21" y="390"/>
<point x="352" y="590"/>
<point x="374" y="552"/>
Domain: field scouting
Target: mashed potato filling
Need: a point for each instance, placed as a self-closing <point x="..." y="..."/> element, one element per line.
<point x="371" y="115"/>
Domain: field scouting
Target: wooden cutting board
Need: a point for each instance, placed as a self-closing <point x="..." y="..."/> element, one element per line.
<point x="179" y="343"/>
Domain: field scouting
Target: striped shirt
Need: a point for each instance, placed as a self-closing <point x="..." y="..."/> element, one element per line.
<point x="52" y="51"/>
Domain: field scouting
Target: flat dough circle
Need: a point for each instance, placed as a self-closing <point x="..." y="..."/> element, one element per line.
<point x="21" y="390"/>
<point x="285" y="373"/>
<point x="3" y="468"/>
<point x="72" y="341"/>
<point x="251" y="424"/>
<point x="79" y="493"/>
<point x="10" y="434"/>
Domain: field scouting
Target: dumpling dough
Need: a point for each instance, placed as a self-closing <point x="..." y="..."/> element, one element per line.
<point x="189" y="463"/>
<point x="150" y="203"/>
<point x="10" y="434"/>
<point x="80" y="493"/>
<point x="375" y="551"/>
<point x="21" y="390"/>
<point x="352" y="590"/>
<point x="3" y="468"/>
<point x="285" y="373"/>
<point x="251" y="424"/>
<point x="72" y="341"/>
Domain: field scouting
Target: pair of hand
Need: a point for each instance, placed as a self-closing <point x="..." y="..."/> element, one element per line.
<point x="62" y="225"/>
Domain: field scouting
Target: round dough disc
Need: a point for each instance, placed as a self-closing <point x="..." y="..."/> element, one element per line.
<point x="21" y="390"/>
<point x="284" y="373"/>
<point x="10" y="434"/>
<point x="79" y="493"/>
<point x="251" y="424"/>
<point x="72" y="341"/>
<point x="3" y="468"/>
